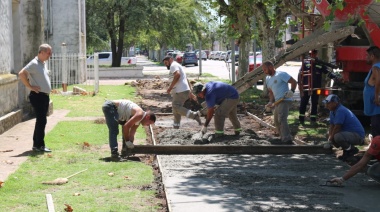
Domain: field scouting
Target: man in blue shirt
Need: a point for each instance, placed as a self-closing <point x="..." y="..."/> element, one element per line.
<point x="226" y="98"/>
<point x="280" y="97"/>
<point x="345" y="129"/>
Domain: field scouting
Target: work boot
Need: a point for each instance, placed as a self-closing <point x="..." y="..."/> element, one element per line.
<point x="348" y="153"/>
<point x="218" y="135"/>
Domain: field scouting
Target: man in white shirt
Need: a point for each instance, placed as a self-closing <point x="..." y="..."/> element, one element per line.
<point x="179" y="89"/>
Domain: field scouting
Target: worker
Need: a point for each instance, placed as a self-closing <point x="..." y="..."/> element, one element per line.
<point x="226" y="98"/>
<point x="345" y="129"/>
<point x="371" y="92"/>
<point x="130" y="116"/>
<point x="317" y="68"/>
<point x="179" y="89"/>
<point x="280" y="97"/>
<point x="373" y="170"/>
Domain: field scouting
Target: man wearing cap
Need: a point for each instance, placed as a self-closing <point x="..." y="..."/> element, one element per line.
<point x="373" y="171"/>
<point x="317" y="69"/>
<point x="180" y="91"/>
<point x="278" y="88"/>
<point x="227" y="99"/>
<point x="371" y="92"/>
<point x="345" y="129"/>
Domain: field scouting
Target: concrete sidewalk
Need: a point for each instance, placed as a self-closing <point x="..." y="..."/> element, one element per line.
<point x="16" y="143"/>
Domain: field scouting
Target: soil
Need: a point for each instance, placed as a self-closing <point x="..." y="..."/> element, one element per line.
<point x="154" y="97"/>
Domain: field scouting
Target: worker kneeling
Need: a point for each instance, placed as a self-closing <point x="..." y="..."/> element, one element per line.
<point x="345" y="129"/>
<point x="224" y="95"/>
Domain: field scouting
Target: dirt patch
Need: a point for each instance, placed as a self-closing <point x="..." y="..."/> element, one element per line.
<point x="154" y="97"/>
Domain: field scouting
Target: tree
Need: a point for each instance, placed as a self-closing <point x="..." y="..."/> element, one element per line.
<point x="270" y="17"/>
<point x="118" y="18"/>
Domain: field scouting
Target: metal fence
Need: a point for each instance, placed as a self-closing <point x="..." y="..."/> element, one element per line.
<point x="68" y="70"/>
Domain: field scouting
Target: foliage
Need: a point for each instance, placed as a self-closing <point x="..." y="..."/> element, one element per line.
<point x="119" y="19"/>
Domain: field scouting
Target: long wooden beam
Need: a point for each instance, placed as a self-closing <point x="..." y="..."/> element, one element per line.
<point x="317" y="39"/>
<point x="223" y="149"/>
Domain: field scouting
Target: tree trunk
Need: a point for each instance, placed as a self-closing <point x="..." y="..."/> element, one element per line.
<point x="269" y="49"/>
<point x="244" y="54"/>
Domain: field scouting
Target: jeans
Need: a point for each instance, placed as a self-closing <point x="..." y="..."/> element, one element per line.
<point x="40" y="103"/>
<point x="111" y="115"/>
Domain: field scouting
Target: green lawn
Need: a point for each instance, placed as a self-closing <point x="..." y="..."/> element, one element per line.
<point x="91" y="190"/>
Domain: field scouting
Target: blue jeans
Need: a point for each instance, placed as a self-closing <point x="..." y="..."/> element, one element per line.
<point x="111" y="115"/>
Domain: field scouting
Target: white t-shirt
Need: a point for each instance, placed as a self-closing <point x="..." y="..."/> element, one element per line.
<point x="182" y="84"/>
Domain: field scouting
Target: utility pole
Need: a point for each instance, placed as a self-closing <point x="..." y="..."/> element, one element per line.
<point x="200" y="57"/>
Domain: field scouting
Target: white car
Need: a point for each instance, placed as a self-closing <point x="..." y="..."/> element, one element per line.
<point x="204" y="55"/>
<point x="105" y="58"/>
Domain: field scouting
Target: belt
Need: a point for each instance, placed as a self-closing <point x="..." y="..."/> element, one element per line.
<point x="42" y="93"/>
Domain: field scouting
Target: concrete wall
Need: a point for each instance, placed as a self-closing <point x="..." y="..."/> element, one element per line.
<point x="65" y="22"/>
<point x="20" y="36"/>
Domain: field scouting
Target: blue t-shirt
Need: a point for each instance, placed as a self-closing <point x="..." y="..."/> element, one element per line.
<point x="217" y="92"/>
<point x="370" y="109"/>
<point x="347" y="120"/>
<point x="278" y="83"/>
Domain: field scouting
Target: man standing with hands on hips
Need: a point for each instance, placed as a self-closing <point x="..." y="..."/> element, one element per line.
<point x="277" y="84"/>
<point x="35" y="77"/>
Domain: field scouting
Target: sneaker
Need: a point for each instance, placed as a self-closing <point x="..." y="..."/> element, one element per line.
<point x="41" y="149"/>
<point x="348" y="153"/>
<point x="115" y="157"/>
<point x="129" y="145"/>
<point x="197" y="118"/>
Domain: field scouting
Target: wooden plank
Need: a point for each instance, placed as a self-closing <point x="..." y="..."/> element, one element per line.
<point x="49" y="202"/>
<point x="224" y="149"/>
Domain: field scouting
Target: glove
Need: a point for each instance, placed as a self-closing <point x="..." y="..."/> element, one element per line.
<point x="288" y="94"/>
<point x="129" y="145"/>
<point x="204" y="130"/>
<point x="337" y="180"/>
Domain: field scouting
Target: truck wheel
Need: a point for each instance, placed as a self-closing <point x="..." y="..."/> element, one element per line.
<point x="196" y="64"/>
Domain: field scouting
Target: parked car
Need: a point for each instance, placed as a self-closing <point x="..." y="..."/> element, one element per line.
<point x="251" y="60"/>
<point x="105" y="58"/>
<point x="229" y="56"/>
<point x="223" y="56"/>
<point x="211" y="55"/>
<point x="189" y="58"/>
<point x="179" y="58"/>
<point x="217" y="55"/>
<point x="204" y="55"/>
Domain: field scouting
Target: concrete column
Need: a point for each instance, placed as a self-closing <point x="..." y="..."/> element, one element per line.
<point x="5" y="37"/>
<point x="31" y="37"/>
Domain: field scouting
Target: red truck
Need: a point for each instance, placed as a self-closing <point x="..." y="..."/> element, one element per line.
<point x="351" y="52"/>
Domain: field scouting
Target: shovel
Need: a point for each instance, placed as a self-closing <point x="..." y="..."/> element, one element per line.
<point x="60" y="181"/>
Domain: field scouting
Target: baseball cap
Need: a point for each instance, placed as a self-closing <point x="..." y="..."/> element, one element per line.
<point x="331" y="98"/>
<point x="197" y="88"/>
<point x="167" y="57"/>
<point x="374" y="149"/>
